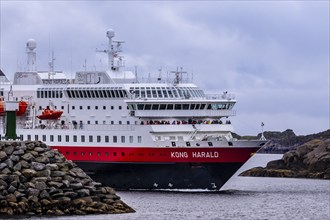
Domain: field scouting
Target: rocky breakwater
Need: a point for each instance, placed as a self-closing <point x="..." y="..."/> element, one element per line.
<point x="310" y="160"/>
<point x="35" y="180"/>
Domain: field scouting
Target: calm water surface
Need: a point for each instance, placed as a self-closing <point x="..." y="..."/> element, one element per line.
<point x="240" y="198"/>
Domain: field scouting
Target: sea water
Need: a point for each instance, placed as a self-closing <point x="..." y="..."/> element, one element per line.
<point x="239" y="198"/>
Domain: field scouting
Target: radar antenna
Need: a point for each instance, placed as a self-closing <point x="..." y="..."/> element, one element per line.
<point x="114" y="48"/>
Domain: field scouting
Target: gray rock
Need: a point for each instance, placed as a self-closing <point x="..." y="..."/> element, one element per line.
<point x="44" y="195"/>
<point x="28" y="157"/>
<point x="9" y="149"/>
<point x="83" y="192"/>
<point x="38" y="166"/>
<point x="17" y="167"/>
<point x="40" y="185"/>
<point x="51" y="166"/>
<point x="9" y="163"/>
<point x="32" y="192"/>
<point x="3" y="156"/>
<point x="19" y="152"/>
<point x="57" y="173"/>
<point x="14" y="158"/>
<point x="2" y="165"/>
<point x="29" y="173"/>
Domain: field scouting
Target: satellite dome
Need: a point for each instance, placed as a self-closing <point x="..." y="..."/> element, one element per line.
<point x="110" y="33"/>
<point x="31" y="44"/>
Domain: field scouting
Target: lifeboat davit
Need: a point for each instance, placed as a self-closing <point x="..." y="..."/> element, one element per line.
<point x="48" y="114"/>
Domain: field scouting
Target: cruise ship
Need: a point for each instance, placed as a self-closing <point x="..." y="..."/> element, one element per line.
<point x="125" y="132"/>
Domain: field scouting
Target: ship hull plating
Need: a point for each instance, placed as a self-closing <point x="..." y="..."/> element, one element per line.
<point x="154" y="176"/>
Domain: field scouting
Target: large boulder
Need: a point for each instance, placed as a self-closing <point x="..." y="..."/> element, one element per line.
<point x="310" y="160"/>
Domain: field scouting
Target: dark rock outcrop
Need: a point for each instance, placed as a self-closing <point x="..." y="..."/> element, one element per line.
<point x="35" y="180"/>
<point x="310" y="160"/>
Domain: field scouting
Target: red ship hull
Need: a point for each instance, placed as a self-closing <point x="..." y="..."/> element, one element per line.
<point x="152" y="168"/>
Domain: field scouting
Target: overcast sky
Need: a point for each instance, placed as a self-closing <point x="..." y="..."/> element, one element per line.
<point x="273" y="55"/>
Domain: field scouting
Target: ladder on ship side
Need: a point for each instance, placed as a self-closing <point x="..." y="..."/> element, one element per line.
<point x="192" y="134"/>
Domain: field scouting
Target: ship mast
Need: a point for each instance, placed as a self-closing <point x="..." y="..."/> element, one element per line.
<point x="31" y="61"/>
<point x="114" y="48"/>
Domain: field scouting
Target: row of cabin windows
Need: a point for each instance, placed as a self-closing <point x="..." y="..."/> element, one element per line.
<point x="82" y="153"/>
<point x="96" y="107"/>
<point x="166" y="92"/>
<point x="55" y="93"/>
<point x="96" y="93"/>
<point x="88" y="138"/>
<point x="187" y="106"/>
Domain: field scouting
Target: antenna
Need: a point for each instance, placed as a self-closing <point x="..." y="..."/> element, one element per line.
<point x="178" y="75"/>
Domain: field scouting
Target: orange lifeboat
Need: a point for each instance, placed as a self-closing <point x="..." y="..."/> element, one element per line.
<point x="2" y="108"/>
<point x="48" y="114"/>
<point x="21" y="108"/>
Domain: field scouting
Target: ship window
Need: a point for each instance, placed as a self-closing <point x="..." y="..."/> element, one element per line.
<point x="67" y="139"/>
<point x="139" y="139"/>
<point x="82" y="153"/>
<point x="230" y="143"/>
<point x="98" y="154"/>
<point x="108" y="94"/>
<point x="154" y="93"/>
<point x="98" y="138"/>
<point x="112" y="107"/>
<point x="114" y="154"/>
<point x="74" y="138"/>
<point x="36" y="137"/>
<point x="209" y="106"/>
<point x="198" y="106"/>
<point x="73" y="107"/>
<point x="90" y="138"/>
<point x="131" y="139"/>
<point x="119" y="122"/>
<point x="165" y="93"/>
<point x="122" y="154"/>
<point x="210" y="144"/>
<point x="51" y="138"/>
<point x="120" y="107"/>
<point x="170" y="93"/>
<point x="177" y="106"/>
<point x="140" y="106"/>
<point x="43" y="137"/>
<point x="112" y="122"/>
<point x="175" y="93"/>
<point x="81" y="95"/>
<point x="59" y="138"/>
<point x="114" y="139"/>
<point x="162" y="106"/>
<point x="88" y="122"/>
<point x="80" y="107"/>
<point x="96" y="107"/>
<point x="185" y="106"/>
<point x="112" y="94"/>
<point x="173" y="144"/>
<point x="192" y="106"/>
<point x="202" y="106"/>
<point x="169" y="107"/>
<point x="188" y="144"/>
<point x="122" y="139"/>
<point x="155" y="107"/>
<point x="128" y="122"/>
<point x="62" y="107"/>
<point x="100" y="93"/>
<point x="147" y="107"/>
<point x="116" y="93"/>
<point x="82" y="138"/>
<point x="142" y="92"/>
<point x="96" y="92"/>
<point x="90" y="154"/>
<point x="106" y="139"/>
<point x="148" y="92"/>
<point x="104" y="107"/>
<point x="159" y="92"/>
<point x="88" y="107"/>
<point x="107" y="154"/>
